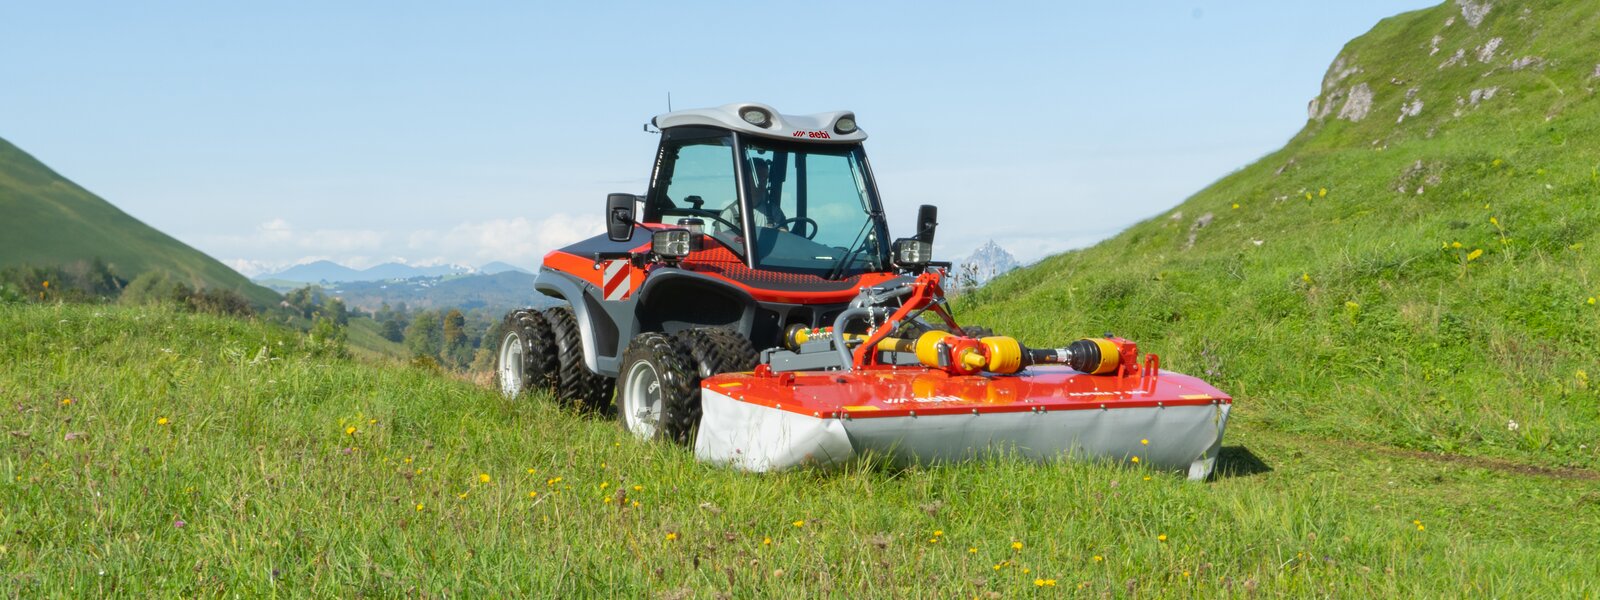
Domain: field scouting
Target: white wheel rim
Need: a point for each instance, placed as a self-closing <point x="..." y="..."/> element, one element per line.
<point x="641" y="400"/>
<point x="511" y="382"/>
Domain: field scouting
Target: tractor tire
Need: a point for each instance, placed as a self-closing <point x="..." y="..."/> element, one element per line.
<point x="576" y="385"/>
<point x="658" y="388"/>
<point x="717" y="350"/>
<point x="526" y="360"/>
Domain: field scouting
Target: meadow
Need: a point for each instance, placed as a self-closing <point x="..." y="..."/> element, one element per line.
<point x="153" y="452"/>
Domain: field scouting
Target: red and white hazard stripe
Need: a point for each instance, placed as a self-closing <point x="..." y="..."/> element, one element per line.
<point x="617" y="279"/>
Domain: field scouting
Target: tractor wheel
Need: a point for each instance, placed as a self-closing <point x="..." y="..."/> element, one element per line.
<point x="576" y="384"/>
<point x="527" y="356"/>
<point x="657" y="387"/>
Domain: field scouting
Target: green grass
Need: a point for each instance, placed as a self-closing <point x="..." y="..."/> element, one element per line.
<point x="46" y="220"/>
<point x="275" y="497"/>
<point x="1356" y="316"/>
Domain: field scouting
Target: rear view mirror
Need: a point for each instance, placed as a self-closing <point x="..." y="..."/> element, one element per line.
<point x="619" y="216"/>
<point x="927" y="222"/>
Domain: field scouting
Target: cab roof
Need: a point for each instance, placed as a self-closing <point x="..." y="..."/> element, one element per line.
<point x="835" y="127"/>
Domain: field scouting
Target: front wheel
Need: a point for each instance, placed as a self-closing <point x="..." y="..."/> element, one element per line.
<point x="657" y="393"/>
<point x="527" y="358"/>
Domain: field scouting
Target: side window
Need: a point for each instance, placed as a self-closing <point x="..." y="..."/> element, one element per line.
<point x="703" y="170"/>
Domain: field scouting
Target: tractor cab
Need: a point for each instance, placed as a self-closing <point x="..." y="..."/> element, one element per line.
<point x="783" y="193"/>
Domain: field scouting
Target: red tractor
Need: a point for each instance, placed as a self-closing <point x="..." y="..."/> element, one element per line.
<point x="761" y="255"/>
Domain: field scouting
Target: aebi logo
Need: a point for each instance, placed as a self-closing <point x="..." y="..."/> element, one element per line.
<point x="816" y="135"/>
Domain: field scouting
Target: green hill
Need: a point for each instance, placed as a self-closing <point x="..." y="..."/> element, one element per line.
<point x="50" y="221"/>
<point x="1417" y="267"/>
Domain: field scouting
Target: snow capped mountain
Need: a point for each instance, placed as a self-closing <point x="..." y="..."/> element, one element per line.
<point x="985" y="263"/>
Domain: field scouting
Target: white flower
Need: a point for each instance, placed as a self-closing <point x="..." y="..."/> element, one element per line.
<point x="1512" y="425"/>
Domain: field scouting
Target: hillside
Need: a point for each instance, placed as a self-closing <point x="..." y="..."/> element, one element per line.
<point x="155" y="453"/>
<point x="50" y="221"/>
<point x="1416" y="268"/>
<point x="501" y="292"/>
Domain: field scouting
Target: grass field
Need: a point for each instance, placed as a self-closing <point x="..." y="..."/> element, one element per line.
<point x="150" y="452"/>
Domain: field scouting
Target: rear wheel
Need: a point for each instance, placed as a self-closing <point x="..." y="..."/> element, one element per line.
<point x="575" y="383"/>
<point x="527" y="357"/>
<point x="657" y="386"/>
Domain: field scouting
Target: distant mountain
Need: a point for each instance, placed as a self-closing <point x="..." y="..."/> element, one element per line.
<point x="323" y="271"/>
<point x="47" y="220"/>
<point x="985" y="263"/>
<point x="501" y="291"/>
<point x="498" y="267"/>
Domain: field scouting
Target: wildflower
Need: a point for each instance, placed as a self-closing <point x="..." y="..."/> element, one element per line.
<point x="372" y="421"/>
<point x="1016" y="545"/>
<point x="606" y="500"/>
<point x="1308" y="195"/>
<point x="1583" y="376"/>
<point x="938" y="532"/>
<point x="638" y="488"/>
<point x="408" y="460"/>
<point x="463" y="495"/>
<point x="533" y="494"/>
<point x="484" y="478"/>
<point x="351" y="430"/>
<point x="1001" y="564"/>
<point x="605" y="484"/>
<point x="1236" y="206"/>
<point x="1038" y="582"/>
<point x="972" y="550"/>
<point x="800" y="523"/>
<point x="1147" y="478"/>
<point x="766" y="541"/>
<point x="1144" y="442"/>
<point x="1475" y="254"/>
<point x="1322" y="192"/>
<point x="1418" y="523"/>
<point x="1162" y="537"/>
<point x="672" y="535"/>
<point x="530" y="471"/>
<point x="419" y="507"/>
<point x="1591" y="300"/>
<point x="1186" y="573"/>
<point x="1098" y="558"/>
<point x="162" y="421"/>
<point x="1496" y="162"/>
<point x="552" y="481"/>
<point x="1455" y="244"/>
<point x="636" y="504"/>
<point x="179" y="523"/>
<point x="1494" y="221"/>
<point x="1351" y="304"/>
<point x="1135" y="459"/>
<point x="66" y="401"/>
<point x="1306" y="277"/>
<point x="1026" y="570"/>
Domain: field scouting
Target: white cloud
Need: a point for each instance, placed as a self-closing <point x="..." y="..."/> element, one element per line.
<point x="276" y="244"/>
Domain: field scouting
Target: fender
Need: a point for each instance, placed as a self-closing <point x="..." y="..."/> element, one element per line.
<point x="556" y="284"/>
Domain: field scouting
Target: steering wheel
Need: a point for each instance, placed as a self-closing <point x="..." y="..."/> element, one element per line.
<point x="811" y="228"/>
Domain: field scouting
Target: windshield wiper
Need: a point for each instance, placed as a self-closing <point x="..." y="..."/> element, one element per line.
<point x="857" y="246"/>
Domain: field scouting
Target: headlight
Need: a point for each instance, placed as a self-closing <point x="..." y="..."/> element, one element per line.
<point x="671" y="243"/>
<point x="912" y="252"/>
<point x="845" y="125"/>
<point x="756" y="116"/>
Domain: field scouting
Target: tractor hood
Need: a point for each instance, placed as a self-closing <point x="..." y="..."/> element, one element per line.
<point x="751" y="118"/>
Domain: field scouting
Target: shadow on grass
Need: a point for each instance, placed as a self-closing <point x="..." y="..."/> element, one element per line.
<point x="1238" y="461"/>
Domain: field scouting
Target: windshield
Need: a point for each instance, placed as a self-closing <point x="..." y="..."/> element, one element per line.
<point x="810" y="207"/>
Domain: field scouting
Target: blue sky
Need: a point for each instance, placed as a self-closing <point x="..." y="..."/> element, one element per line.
<point x="268" y="134"/>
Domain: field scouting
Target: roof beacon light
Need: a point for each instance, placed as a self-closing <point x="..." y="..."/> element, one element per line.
<point x="845" y="125"/>
<point x="756" y="116"/>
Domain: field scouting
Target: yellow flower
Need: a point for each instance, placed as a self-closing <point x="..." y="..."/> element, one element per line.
<point x="933" y="540"/>
<point x="1236" y="206"/>
<point x="162" y="421"/>
<point x="1016" y="545"/>
<point x="1162" y="537"/>
<point x="938" y="532"/>
<point x="1308" y="195"/>
<point x="530" y="471"/>
<point x="350" y="430"/>
<point x="1147" y="478"/>
<point x="1455" y="244"/>
<point x="552" y="481"/>
<point x="1591" y="299"/>
<point x="484" y="478"/>
<point x="1420" y="528"/>
<point x="638" y="488"/>
<point x="1475" y="254"/>
<point x="1496" y="162"/>
<point x="1098" y="558"/>
<point x="372" y="421"/>
<point x="408" y="460"/>
<point x="800" y="523"/>
<point x="605" y="484"/>
<point x="1185" y="573"/>
<point x="66" y="401"/>
<point x="1144" y="442"/>
<point x="1038" y="582"/>
<point x="1306" y="277"/>
<point x="972" y="550"/>
<point x="1135" y="459"/>
<point x="636" y="504"/>
<point x="463" y="495"/>
<point x="672" y="535"/>
<point x="419" y="507"/>
<point x="1494" y="221"/>
<point x="533" y="494"/>
<point x="606" y="500"/>
<point x="1322" y="192"/>
<point x="766" y="541"/>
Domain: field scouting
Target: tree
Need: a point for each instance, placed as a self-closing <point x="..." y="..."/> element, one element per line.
<point x="457" y="349"/>
<point x="394" y="331"/>
<point x="424" y="337"/>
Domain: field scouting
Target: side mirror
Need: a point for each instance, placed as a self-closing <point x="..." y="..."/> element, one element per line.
<point x="927" y="222"/>
<point x="619" y="216"/>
